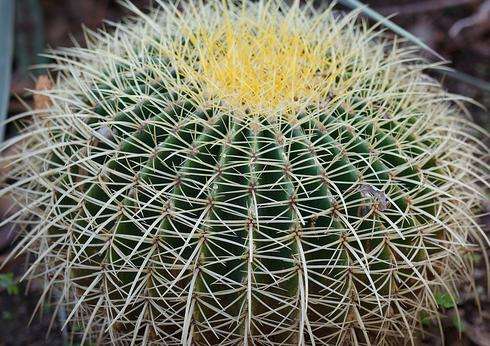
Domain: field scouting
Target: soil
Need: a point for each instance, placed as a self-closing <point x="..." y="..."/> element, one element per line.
<point x="15" y="314"/>
<point x="53" y="21"/>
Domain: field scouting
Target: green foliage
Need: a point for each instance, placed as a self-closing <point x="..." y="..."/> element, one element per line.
<point x="445" y="300"/>
<point x="458" y="323"/>
<point x="425" y="320"/>
<point x="474" y="258"/>
<point x="8" y="283"/>
<point x="7" y="315"/>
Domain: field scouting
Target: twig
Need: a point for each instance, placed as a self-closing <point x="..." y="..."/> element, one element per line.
<point x="482" y="16"/>
<point x="466" y="78"/>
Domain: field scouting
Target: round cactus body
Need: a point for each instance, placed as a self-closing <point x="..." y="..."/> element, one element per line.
<point x="248" y="174"/>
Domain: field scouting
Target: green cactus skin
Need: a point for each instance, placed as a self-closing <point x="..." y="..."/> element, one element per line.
<point x="175" y="194"/>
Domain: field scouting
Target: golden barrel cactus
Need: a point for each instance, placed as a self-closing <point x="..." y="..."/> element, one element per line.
<point x="252" y="173"/>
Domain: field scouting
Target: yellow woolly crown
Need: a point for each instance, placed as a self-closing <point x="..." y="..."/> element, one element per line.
<point x="258" y="61"/>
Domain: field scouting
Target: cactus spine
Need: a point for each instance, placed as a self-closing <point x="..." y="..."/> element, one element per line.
<point x="248" y="174"/>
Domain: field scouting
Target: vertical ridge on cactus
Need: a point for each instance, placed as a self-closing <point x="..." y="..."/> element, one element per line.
<point x="251" y="173"/>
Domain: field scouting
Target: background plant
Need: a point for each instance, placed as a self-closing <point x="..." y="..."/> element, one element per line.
<point x="6" y="45"/>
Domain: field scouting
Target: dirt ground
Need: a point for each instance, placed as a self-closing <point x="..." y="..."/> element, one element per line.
<point x="459" y="30"/>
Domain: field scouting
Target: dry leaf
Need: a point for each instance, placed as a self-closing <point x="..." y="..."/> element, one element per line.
<point x="7" y="205"/>
<point x="43" y="101"/>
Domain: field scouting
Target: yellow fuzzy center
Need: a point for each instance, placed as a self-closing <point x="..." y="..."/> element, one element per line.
<point x="258" y="66"/>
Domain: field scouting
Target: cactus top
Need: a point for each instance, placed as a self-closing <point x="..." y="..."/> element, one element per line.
<point x="260" y="61"/>
<point x="272" y="59"/>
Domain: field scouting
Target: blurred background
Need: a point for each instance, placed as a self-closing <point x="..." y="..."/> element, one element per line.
<point x="459" y="30"/>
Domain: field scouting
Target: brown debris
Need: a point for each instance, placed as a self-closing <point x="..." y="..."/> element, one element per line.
<point x="42" y="101"/>
<point x="8" y="207"/>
